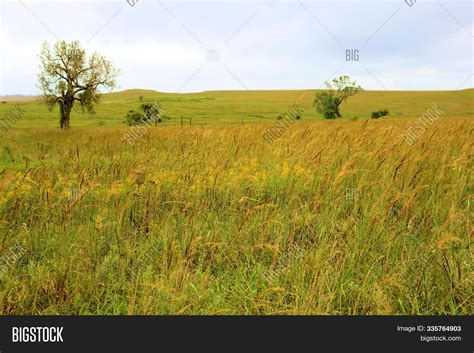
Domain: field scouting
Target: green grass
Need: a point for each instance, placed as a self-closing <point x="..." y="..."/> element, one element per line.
<point x="233" y="107"/>
<point x="190" y="220"/>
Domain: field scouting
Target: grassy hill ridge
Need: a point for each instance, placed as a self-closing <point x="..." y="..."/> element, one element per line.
<point x="235" y="107"/>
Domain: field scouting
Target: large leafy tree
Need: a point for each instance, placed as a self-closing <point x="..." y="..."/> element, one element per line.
<point x="339" y="90"/>
<point x="68" y="76"/>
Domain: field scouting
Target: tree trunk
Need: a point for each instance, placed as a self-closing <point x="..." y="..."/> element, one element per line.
<point x="65" y="111"/>
<point x="338" y="114"/>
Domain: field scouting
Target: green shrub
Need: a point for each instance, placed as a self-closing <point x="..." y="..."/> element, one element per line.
<point x="329" y="114"/>
<point x="379" y="114"/>
<point x="133" y="118"/>
<point x="149" y="112"/>
<point x="325" y="105"/>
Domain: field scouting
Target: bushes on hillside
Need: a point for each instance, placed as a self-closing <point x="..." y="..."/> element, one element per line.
<point x="380" y="114"/>
<point x="133" y="118"/>
<point x="149" y="113"/>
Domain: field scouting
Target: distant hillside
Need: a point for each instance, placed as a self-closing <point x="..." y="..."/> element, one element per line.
<point x="133" y="94"/>
<point x="17" y="98"/>
<point x="242" y="107"/>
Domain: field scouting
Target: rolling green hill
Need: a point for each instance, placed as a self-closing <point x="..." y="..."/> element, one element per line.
<point x="235" y="107"/>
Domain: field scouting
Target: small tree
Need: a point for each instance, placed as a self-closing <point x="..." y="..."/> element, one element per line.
<point x="329" y="101"/>
<point x="150" y="113"/>
<point x="67" y="76"/>
<point x="133" y="118"/>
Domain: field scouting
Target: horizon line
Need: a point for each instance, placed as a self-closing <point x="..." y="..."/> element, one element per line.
<point x="254" y="90"/>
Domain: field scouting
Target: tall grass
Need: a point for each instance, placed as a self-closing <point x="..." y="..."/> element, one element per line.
<point x="190" y="220"/>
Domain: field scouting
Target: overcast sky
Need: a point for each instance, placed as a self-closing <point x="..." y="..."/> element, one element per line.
<point x="191" y="46"/>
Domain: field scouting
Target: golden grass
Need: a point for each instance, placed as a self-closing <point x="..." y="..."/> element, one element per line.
<point x="191" y="220"/>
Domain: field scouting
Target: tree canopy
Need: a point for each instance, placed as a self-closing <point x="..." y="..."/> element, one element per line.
<point x="67" y="76"/>
<point x="339" y="90"/>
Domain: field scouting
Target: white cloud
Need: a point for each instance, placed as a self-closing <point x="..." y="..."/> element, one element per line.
<point x="281" y="47"/>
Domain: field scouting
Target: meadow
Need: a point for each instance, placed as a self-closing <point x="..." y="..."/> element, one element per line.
<point x="335" y="217"/>
<point x="237" y="107"/>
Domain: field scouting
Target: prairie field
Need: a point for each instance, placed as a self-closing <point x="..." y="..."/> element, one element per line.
<point x="335" y="217"/>
<point x="237" y="107"/>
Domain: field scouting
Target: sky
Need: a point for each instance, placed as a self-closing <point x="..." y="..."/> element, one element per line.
<point x="193" y="46"/>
